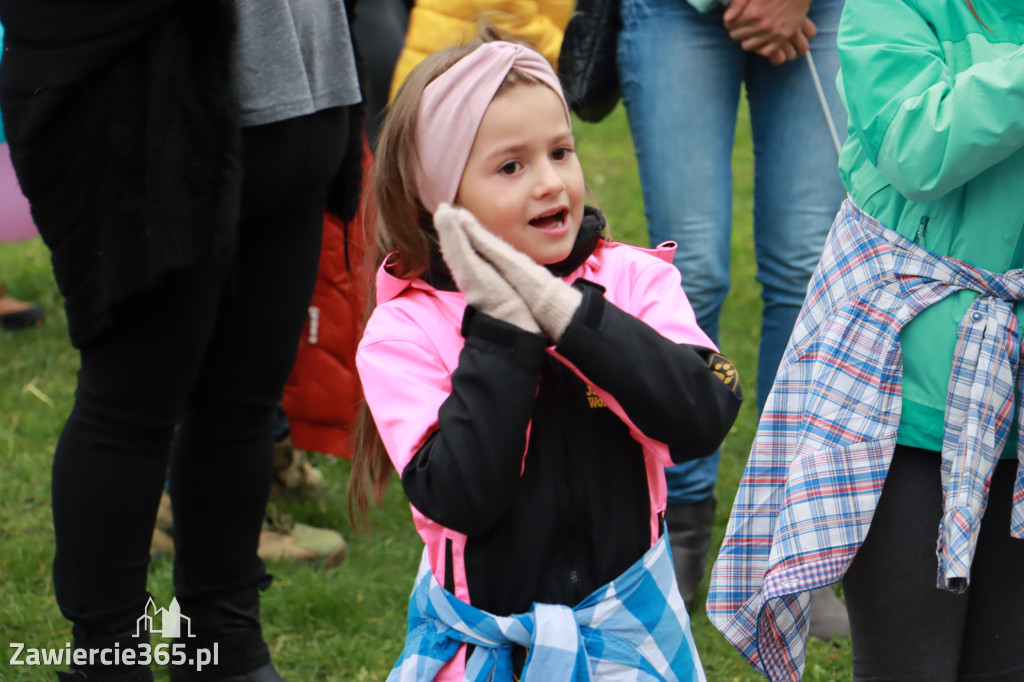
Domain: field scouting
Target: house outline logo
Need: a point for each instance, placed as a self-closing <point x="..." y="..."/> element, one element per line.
<point x="170" y="621"/>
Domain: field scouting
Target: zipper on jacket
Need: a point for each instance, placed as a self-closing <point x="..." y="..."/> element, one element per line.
<point x="922" y="226"/>
<point x="449" y="566"/>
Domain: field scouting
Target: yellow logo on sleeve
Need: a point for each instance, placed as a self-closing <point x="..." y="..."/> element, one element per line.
<point x="724" y="370"/>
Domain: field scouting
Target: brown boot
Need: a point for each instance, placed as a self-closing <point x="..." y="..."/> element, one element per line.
<point x="163" y="532"/>
<point x="283" y="539"/>
<point x="294" y="475"/>
<point x="162" y="543"/>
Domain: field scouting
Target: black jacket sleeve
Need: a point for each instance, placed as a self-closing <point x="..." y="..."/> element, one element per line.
<point x="684" y="396"/>
<point x="466" y="474"/>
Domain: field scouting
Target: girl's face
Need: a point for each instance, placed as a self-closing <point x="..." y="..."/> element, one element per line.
<point x="523" y="181"/>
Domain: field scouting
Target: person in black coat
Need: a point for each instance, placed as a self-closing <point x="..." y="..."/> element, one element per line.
<point x="180" y="186"/>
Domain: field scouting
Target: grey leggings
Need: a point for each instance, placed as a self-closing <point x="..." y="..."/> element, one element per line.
<point x="903" y="627"/>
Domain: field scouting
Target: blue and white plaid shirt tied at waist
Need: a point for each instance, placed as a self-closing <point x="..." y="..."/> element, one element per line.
<point x="633" y="628"/>
<point x="827" y="434"/>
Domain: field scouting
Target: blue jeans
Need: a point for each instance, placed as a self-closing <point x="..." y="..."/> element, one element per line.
<point x="681" y="75"/>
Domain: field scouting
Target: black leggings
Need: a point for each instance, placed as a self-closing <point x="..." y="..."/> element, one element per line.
<point x="207" y="351"/>
<point x="903" y="627"/>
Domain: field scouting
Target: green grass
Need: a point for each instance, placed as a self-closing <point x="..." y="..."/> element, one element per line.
<point x="346" y="623"/>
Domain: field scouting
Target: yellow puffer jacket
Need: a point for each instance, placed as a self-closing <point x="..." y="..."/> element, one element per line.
<point x="437" y="24"/>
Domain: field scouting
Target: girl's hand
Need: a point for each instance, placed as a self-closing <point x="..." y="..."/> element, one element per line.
<point x="485" y="289"/>
<point x="551" y="301"/>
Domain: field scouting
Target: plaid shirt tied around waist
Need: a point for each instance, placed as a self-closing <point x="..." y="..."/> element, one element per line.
<point x="633" y="628"/>
<point x="829" y="427"/>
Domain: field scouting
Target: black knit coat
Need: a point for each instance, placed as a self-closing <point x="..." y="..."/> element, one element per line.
<point x="125" y="140"/>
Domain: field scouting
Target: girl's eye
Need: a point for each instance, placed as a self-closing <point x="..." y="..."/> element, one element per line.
<point x="509" y="168"/>
<point x="561" y="154"/>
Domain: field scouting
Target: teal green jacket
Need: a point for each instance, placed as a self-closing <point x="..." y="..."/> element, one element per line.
<point x="936" y="111"/>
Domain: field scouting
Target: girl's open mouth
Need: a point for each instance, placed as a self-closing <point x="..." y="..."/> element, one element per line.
<point x="548" y="220"/>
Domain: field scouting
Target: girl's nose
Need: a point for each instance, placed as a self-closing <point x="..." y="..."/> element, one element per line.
<point x="549" y="181"/>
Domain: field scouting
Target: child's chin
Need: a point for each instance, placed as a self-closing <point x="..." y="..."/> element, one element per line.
<point x="550" y="258"/>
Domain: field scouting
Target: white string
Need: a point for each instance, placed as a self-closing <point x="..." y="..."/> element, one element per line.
<point x="824" y="104"/>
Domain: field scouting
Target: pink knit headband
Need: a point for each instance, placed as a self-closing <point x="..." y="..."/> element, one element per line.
<point x="452" y="107"/>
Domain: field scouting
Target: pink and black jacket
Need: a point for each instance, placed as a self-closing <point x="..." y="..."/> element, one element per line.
<point x="535" y="472"/>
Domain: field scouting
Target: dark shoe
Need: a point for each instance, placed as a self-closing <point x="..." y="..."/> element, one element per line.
<point x="231" y="622"/>
<point x="689" y="534"/>
<point x="79" y="676"/>
<point x="97" y="672"/>
<point x="267" y="673"/>
<point x="828" y="615"/>
<point x="19" y="315"/>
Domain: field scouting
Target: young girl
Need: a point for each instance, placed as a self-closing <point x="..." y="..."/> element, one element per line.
<point x="887" y="454"/>
<point x="529" y="386"/>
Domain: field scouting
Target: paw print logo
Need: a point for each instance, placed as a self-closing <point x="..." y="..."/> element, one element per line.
<point x="724" y="370"/>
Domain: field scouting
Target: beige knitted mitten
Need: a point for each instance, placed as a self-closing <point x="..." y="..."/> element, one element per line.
<point x="485" y="289"/>
<point x="552" y="301"/>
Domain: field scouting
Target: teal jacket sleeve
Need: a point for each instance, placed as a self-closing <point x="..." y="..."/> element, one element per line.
<point x="927" y="128"/>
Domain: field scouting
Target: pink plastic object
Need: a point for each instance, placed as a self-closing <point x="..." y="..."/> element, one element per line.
<point x="15" y="219"/>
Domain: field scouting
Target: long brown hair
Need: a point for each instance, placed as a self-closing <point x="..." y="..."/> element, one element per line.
<point x="403" y="229"/>
<point x="970" y="6"/>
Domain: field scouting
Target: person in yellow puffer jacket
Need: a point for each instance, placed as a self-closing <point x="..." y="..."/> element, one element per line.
<point x="437" y="24"/>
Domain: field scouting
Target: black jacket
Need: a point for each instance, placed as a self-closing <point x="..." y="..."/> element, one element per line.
<point x="123" y="134"/>
<point x="583" y="496"/>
